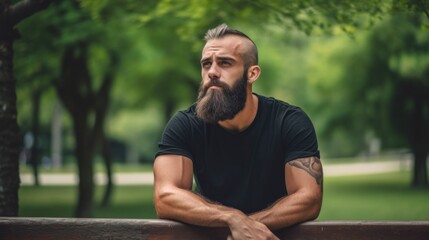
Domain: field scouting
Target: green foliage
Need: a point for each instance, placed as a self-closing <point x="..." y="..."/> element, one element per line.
<point x="139" y="129"/>
<point x="310" y="16"/>
<point x="330" y="98"/>
<point x="95" y="7"/>
<point x="360" y="80"/>
<point x="45" y="37"/>
<point x="395" y="45"/>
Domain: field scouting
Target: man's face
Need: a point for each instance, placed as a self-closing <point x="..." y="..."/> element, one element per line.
<point x="224" y="80"/>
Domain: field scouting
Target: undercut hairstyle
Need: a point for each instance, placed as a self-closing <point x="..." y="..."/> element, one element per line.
<point x="250" y="57"/>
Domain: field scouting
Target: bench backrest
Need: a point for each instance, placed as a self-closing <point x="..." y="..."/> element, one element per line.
<point x="74" y="229"/>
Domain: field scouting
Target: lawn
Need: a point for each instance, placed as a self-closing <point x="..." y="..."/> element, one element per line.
<point x="374" y="197"/>
<point x="98" y="167"/>
<point x="58" y="201"/>
<point x="370" y="197"/>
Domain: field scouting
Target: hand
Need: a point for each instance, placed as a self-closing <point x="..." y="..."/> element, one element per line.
<point x="243" y="227"/>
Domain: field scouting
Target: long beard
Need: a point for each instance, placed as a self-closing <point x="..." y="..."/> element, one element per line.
<point x="215" y="105"/>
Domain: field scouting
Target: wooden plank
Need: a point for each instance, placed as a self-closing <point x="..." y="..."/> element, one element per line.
<point x="357" y="230"/>
<point x="76" y="229"/>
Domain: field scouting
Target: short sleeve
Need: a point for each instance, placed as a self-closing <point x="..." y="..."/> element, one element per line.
<point x="299" y="136"/>
<point x="176" y="137"/>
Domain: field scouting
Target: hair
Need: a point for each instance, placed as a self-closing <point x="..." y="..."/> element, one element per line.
<point x="250" y="57"/>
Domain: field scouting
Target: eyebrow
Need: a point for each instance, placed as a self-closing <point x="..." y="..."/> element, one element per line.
<point x="219" y="58"/>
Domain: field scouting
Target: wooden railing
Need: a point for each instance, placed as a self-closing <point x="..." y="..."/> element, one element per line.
<point x="72" y="228"/>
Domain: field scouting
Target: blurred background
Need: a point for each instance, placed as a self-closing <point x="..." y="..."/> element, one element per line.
<point x="97" y="81"/>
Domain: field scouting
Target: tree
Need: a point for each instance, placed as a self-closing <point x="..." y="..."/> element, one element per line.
<point x="399" y="67"/>
<point x="10" y="15"/>
<point x="83" y="102"/>
<point x="379" y="86"/>
<point x="82" y="61"/>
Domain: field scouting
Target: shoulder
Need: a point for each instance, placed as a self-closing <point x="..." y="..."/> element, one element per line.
<point x="294" y="126"/>
<point x="281" y="109"/>
<point x="185" y="118"/>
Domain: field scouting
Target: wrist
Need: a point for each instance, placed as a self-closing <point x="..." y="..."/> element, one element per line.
<point x="233" y="217"/>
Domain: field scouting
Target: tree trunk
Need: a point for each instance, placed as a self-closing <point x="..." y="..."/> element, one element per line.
<point x="101" y="108"/>
<point x="107" y="156"/>
<point x="9" y="131"/>
<point x="420" y="145"/>
<point x="84" y="151"/>
<point x="419" y="136"/>
<point x="74" y="90"/>
<point x="35" y="150"/>
<point x="88" y="109"/>
<point x="10" y="142"/>
<point x="420" y="179"/>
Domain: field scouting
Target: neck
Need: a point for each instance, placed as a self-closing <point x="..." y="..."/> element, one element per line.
<point x="245" y="117"/>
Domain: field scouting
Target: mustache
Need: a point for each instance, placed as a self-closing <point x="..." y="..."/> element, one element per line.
<point x="215" y="82"/>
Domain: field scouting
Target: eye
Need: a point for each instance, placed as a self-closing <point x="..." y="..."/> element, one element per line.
<point x="224" y="63"/>
<point x="206" y="64"/>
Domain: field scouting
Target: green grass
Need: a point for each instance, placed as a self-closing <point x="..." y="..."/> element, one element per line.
<point x="371" y="197"/>
<point x="58" y="201"/>
<point x="99" y="167"/>
<point x="374" y="197"/>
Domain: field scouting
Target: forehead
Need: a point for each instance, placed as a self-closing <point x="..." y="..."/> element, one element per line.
<point x="230" y="45"/>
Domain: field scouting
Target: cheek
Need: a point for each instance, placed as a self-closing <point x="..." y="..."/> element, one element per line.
<point x="205" y="75"/>
<point x="232" y="78"/>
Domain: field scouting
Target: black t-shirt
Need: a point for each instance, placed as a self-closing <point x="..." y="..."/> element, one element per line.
<point x="244" y="170"/>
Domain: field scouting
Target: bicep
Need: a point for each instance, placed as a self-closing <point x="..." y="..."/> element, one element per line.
<point x="173" y="170"/>
<point x="304" y="174"/>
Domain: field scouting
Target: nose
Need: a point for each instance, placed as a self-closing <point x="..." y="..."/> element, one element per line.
<point x="214" y="71"/>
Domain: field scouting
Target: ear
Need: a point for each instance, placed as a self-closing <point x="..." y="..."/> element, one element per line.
<point x="253" y="73"/>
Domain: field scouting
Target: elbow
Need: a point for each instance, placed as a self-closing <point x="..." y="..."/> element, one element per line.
<point x="160" y="212"/>
<point x="315" y="207"/>
<point x="311" y="204"/>
<point x="161" y="204"/>
<point x="159" y="209"/>
<point x="315" y="211"/>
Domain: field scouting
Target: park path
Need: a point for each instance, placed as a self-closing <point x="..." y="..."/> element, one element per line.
<point x="146" y="178"/>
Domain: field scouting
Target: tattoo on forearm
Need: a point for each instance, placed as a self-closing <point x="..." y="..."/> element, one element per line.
<point x="311" y="165"/>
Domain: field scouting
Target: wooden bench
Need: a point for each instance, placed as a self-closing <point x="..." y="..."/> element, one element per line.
<point x="96" y="228"/>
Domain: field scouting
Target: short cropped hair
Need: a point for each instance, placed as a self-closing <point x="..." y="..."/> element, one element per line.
<point x="250" y="57"/>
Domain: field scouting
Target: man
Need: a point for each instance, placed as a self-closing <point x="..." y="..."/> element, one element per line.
<point x="255" y="159"/>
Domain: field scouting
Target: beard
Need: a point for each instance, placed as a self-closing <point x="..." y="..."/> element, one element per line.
<point x="215" y="105"/>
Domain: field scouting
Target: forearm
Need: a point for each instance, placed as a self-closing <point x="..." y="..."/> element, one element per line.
<point x="290" y="210"/>
<point x="174" y="200"/>
<point x="304" y="183"/>
<point x="186" y="206"/>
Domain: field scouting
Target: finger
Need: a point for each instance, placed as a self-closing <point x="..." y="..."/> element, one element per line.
<point x="229" y="237"/>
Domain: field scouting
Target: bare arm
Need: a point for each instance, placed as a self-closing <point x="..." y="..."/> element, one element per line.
<point x="304" y="180"/>
<point x="174" y="200"/>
